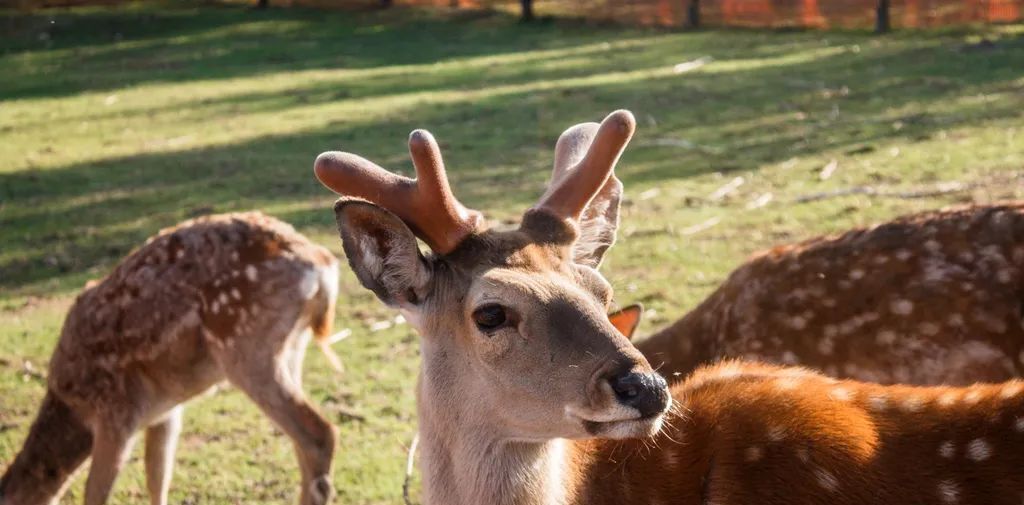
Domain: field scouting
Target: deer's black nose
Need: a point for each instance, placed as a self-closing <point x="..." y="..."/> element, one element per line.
<point x="646" y="392"/>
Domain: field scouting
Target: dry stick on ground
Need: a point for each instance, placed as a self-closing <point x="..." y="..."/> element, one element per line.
<point x="942" y="188"/>
<point x="409" y="467"/>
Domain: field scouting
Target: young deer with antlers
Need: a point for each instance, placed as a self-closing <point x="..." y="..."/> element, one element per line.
<point x="529" y="395"/>
<point x="234" y="296"/>
<point x="932" y="298"/>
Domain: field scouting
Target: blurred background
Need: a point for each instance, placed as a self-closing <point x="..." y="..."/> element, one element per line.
<point x="760" y="122"/>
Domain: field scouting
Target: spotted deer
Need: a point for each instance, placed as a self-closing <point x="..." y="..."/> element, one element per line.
<point x="930" y="298"/>
<point x="529" y="394"/>
<point x="236" y="297"/>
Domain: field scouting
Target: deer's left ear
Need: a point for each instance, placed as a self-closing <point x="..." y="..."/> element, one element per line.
<point x="600" y="218"/>
<point x="598" y="225"/>
<point x="627" y="319"/>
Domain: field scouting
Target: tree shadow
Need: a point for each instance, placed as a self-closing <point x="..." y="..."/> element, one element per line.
<point x="764" y="99"/>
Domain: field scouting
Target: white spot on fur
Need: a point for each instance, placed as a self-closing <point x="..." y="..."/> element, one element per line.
<point x="878" y="401"/>
<point x="1011" y="389"/>
<point x="215" y="307"/>
<point x="776" y="433"/>
<point x="826" y="345"/>
<point x="840" y="393"/>
<point x="956" y="320"/>
<point x="856" y="274"/>
<point x="234" y="255"/>
<point x="826" y="479"/>
<point x="972" y="396"/>
<point x="222" y="298"/>
<point x="250" y="273"/>
<point x="753" y="453"/>
<point x="787" y="383"/>
<point x="1018" y="425"/>
<point x="913" y="404"/>
<point x="904" y="254"/>
<point x="933" y="246"/>
<point x="901" y="307"/>
<point x="948" y="398"/>
<point x="236" y="294"/>
<point x="803" y="454"/>
<point x="885" y="337"/>
<point x="978" y="450"/>
<point x="797" y="323"/>
<point x="928" y="329"/>
<point x="949" y="492"/>
<point x="947" y="450"/>
<point x="789" y="358"/>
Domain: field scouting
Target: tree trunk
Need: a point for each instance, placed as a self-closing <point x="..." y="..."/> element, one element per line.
<point x="262" y="4"/>
<point x="693" y="14"/>
<point x="527" y="12"/>
<point x="384" y="4"/>
<point x="882" y="24"/>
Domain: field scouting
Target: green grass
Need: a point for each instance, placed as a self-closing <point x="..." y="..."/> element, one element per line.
<point x="115" y="122"/>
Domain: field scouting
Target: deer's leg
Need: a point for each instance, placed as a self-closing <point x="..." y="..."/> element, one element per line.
<point x="267" y="380"/>
<point x="110" y="447"/>
<point x="161" y="442"/>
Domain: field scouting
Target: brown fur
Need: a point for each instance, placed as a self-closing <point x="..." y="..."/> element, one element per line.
<point x="929" y="298"/>
<point x="230" y="296"/>
<point x="750" y="433"/>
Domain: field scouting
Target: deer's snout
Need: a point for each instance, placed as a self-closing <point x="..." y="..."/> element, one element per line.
<point x="645" y="392"/>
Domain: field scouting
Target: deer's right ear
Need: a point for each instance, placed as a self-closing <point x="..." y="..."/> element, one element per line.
<point x="627" y="319"/>
<point x="383" y="252"/>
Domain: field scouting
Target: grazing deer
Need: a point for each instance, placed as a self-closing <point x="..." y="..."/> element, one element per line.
<point x="234" y="296"/>
<point x="529" y="394"/>
<point x="930" y="298"/>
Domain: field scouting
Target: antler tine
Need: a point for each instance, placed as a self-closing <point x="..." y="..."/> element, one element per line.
<point x="572" y="187"/>
<point x="426" y="204"/>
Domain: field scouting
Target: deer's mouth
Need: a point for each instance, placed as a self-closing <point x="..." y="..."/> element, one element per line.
<point x="641" y="427"/>
<point x="618" y="422"/>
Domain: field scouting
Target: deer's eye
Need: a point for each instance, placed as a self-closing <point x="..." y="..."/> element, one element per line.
<point x="489" y="317"/>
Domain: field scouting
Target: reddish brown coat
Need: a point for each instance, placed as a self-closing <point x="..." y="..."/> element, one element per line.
<point x="748" y="433"/>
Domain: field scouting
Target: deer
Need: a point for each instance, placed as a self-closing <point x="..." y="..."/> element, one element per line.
<point x="930" y="298"/>
<point x="529" y="393"/>
<point x="234" y="296"/>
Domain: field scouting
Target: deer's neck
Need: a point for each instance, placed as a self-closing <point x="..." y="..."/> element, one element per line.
<point x="466" y="461"/>
<point x="58" y="443"/>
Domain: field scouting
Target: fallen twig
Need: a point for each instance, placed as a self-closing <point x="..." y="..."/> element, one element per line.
<point x="699" y="227"/>
<point x="942" y="188"/>
<point x="409" y="464"/>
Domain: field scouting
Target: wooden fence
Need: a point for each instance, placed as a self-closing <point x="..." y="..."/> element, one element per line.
<point x="766" y="13"/>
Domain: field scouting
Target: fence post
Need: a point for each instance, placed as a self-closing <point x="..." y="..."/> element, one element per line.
<point x="882" y="24"/>
<point x="693" y="14"/>
<point x="527" y="10"/>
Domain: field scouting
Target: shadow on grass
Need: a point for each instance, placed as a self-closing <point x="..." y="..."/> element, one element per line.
<point x="766" y="98"/>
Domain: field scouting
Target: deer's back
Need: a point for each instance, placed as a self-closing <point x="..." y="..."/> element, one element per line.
<point x="203" y="278"/>
<point x="748" y="433"/>
<point x="926" y="299"/>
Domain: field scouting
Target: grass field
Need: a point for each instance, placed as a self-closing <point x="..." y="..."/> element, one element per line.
<point x="115" y="122"/>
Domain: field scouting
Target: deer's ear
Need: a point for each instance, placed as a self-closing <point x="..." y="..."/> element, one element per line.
<point x="598" y="225"/>
<point x="599" y="220"/>
<point x="627" y="319"/>
<point x="383" y="252"/>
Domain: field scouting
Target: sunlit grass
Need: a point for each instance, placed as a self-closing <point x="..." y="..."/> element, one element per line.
<point x="117" y="122"/>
